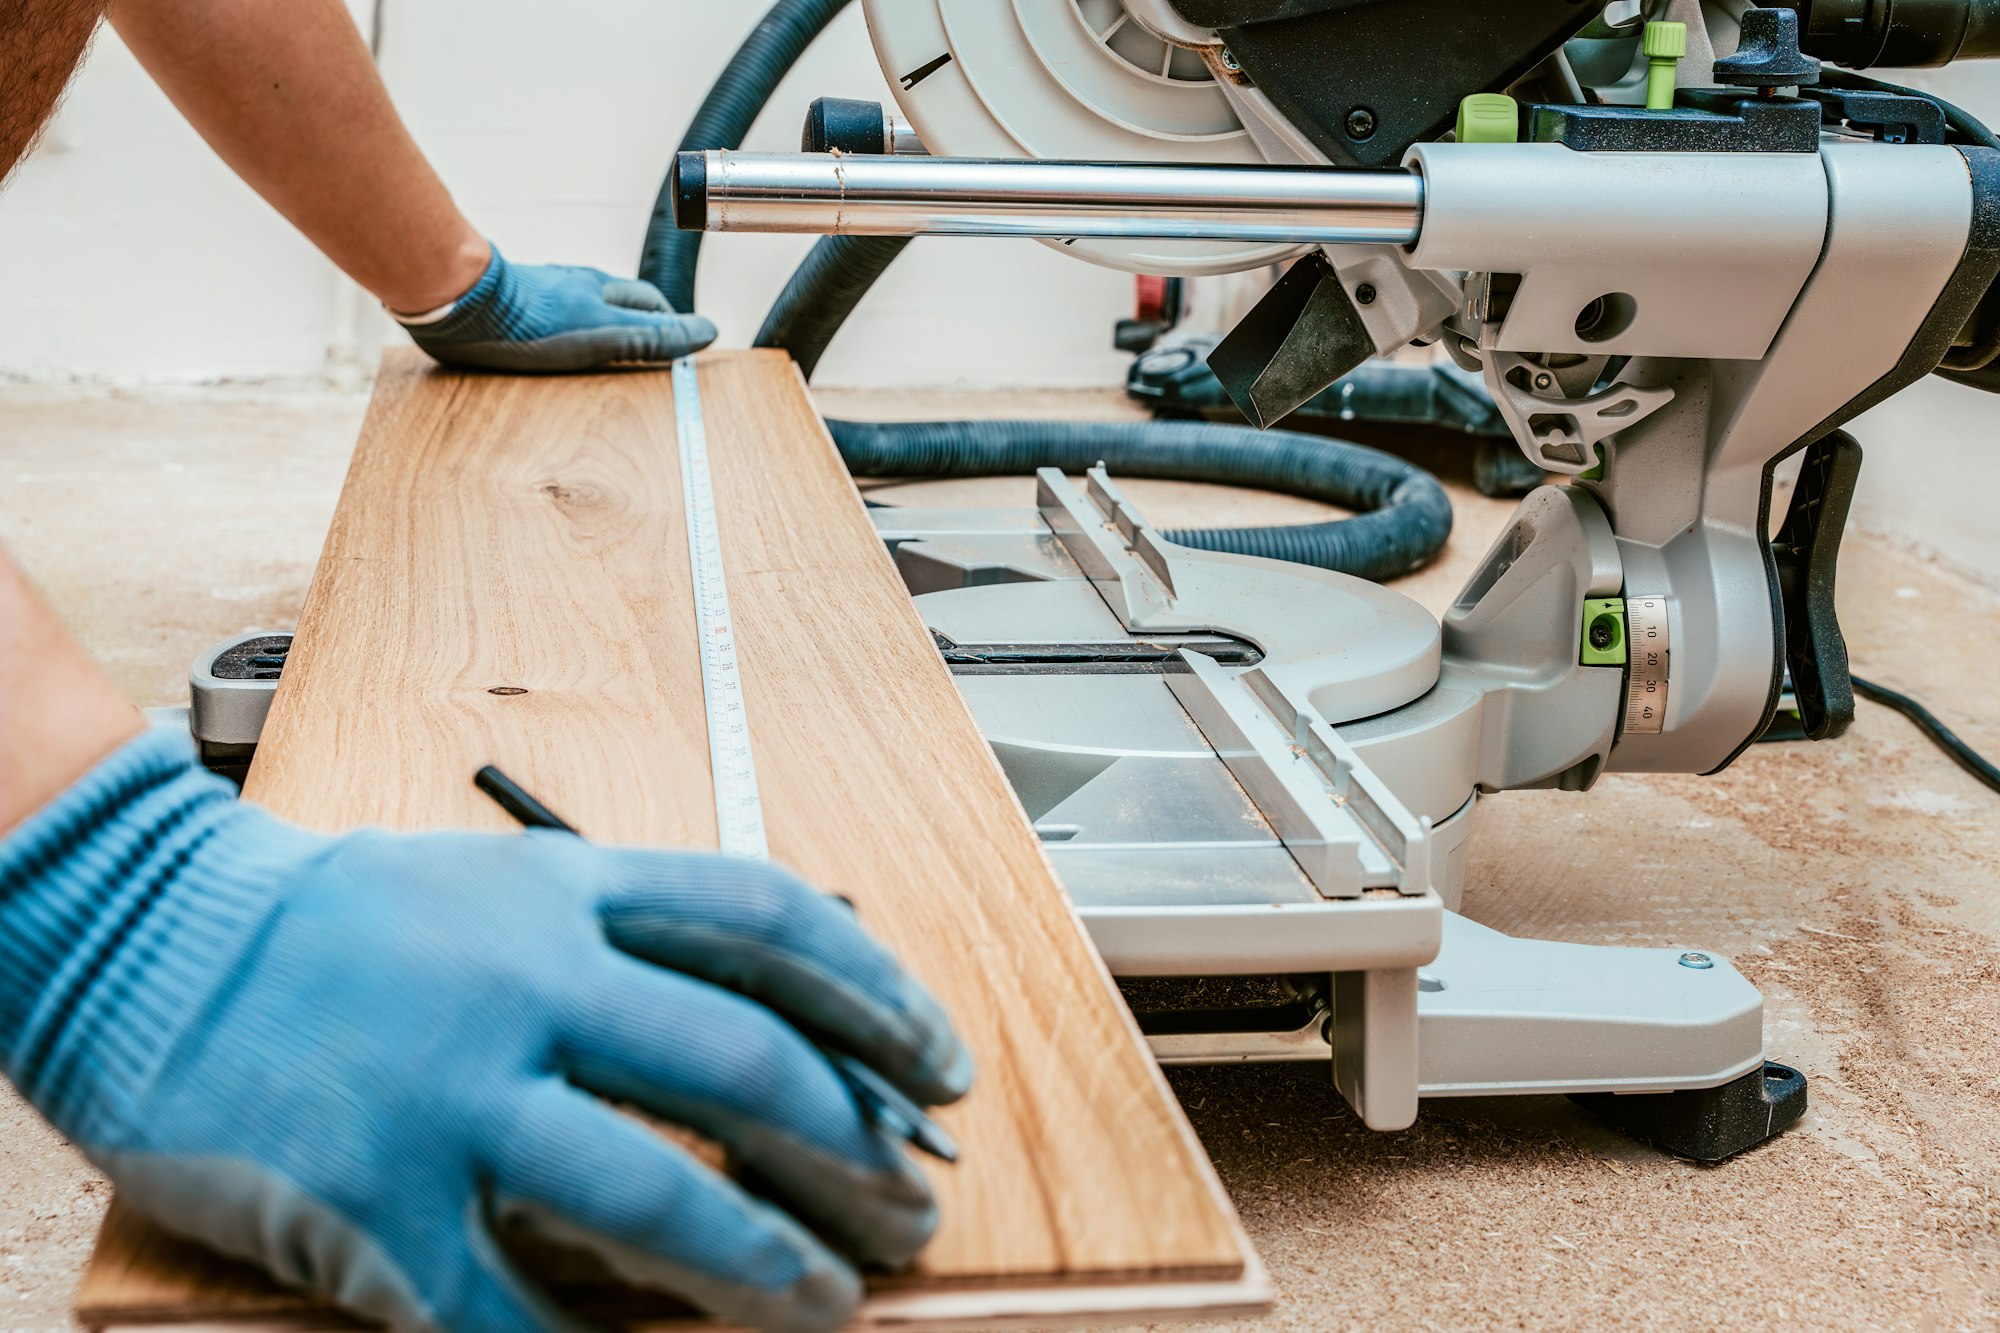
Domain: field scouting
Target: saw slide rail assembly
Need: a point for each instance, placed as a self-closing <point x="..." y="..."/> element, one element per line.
<point x="857" y="195"/>
<point x="1403" y="514"/>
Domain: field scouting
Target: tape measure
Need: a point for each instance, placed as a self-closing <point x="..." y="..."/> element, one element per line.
<point x="739" y="807"/>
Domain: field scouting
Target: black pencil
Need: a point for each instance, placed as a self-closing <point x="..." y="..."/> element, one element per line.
<point x="514" y="799"/>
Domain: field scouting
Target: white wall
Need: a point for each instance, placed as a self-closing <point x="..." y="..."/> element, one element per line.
<point x="128" y="253"/>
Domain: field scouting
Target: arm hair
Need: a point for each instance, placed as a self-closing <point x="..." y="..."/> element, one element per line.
<point x="41" y="44"/>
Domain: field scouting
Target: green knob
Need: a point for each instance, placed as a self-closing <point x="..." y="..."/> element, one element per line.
<point x="1664" y="45"/>
<point x="1488" y="118"/>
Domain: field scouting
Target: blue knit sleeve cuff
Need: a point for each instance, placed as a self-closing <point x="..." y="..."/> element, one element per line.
<point x="486" y="311"/>
<point x="116" y="911"/>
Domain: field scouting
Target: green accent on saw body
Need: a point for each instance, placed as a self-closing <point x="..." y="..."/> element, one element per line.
<point x="1603" y="632"/>
<point x="1489" y="118"/>
<point x="1664" y="45"/>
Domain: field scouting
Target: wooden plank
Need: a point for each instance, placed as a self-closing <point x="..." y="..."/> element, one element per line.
<point x="506" y="581"/>
<point x="143" y="1278"/>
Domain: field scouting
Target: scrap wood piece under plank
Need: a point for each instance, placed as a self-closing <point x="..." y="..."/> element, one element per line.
<point x="506" y="581"/>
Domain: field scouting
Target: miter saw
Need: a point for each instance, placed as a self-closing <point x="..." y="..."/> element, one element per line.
<point x="1677" y="249"/>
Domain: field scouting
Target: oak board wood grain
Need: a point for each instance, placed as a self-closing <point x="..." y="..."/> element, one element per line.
<point x="506" y="581"/>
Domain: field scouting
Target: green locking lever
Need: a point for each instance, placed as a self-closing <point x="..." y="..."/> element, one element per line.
<point x="1664" y="44"/>
<point x="1488" y="118"/>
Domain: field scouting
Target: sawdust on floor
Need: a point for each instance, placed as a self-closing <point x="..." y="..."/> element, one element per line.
<point x="1857" y="883"/>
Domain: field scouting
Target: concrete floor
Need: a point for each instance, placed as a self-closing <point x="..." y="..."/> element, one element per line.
<point x="1857" y="883"/>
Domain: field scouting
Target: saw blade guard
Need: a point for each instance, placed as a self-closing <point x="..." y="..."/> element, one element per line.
<point x="1077" y="80"/>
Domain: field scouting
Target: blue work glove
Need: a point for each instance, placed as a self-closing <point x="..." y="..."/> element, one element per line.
<point x="352" y="1060"/>
<point x="553" y="317"/>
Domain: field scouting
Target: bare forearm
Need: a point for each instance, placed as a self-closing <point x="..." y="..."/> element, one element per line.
<point x="287" y="94"/>
<point x="59" y="712"/>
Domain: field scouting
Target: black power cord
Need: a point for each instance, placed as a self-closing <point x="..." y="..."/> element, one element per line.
<point x="1945" y="739"/>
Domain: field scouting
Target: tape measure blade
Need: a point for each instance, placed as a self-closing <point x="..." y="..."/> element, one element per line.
<point x="739" y="806"/>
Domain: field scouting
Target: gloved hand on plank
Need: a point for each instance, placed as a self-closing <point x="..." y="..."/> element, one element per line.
<point x="553" y="318"/>
<point x="359" y="1060"/>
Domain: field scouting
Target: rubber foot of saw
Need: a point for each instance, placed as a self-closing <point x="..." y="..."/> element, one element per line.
<point x="1707" y="1124"/>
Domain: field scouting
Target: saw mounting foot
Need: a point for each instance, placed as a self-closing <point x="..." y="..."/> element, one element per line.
<point x="1707" y="1124"/>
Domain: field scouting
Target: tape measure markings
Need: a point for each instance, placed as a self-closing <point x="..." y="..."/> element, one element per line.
<point x="1651" y="654"/>
<point x="739" y="806"/>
